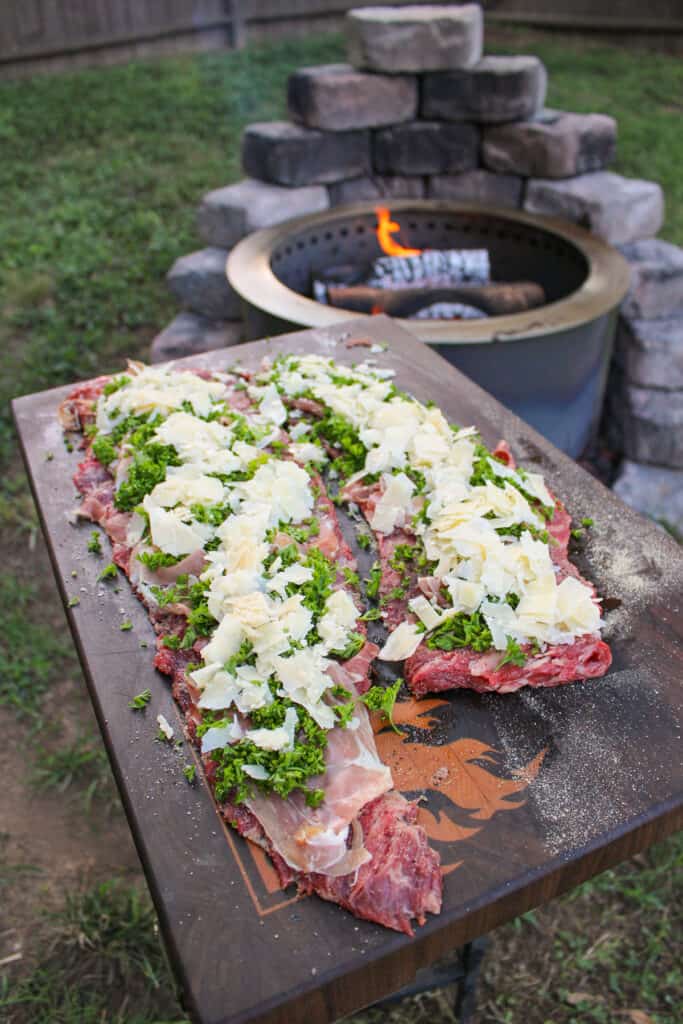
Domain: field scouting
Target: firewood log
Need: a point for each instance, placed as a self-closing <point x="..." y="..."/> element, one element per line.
<point x="493" y="299"/>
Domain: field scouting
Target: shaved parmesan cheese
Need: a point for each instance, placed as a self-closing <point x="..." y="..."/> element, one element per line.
<point x="425" y="612"/>
<point x="172" y="535"/>
<point x="225" y="641"/>
<point x="281" y="738"/>
<point x="403" y="642"/>
<point x="219" y="736"/>
<point x="165" y="727"/>
<point x="392" y="507"/>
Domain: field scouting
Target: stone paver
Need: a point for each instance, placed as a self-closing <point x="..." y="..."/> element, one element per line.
<point x="652" y="490"/>
<point x="478" y="186"/>
<point x="337" y="97"/>
<point x="656" y="279"/>
<point x="615" y="208"/>
<point x="228" y="214"/>
<point x="189" y="333"/>
<point x="495" y="90"/>
<point x="425" y="147"/>
<point x="651" y="424"/>
<point x="553" y="145"/>
<point x="288" y="154"/>
<point x="415" y="38"/>
<point x="377" y="187"/>
<point x="650" y="352"/>
<point x="198" y="280"/>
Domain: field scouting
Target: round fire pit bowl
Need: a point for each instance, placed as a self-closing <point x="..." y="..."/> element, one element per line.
<point x="548" y="364"/>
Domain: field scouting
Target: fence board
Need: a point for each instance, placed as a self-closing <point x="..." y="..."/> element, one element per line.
<point x="78" y="32"/>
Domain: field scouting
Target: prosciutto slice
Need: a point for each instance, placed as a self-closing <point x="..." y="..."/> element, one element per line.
<point x="317" y="841"/>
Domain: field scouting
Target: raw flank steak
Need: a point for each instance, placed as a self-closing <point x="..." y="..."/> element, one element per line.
<point x="179" y="467"/>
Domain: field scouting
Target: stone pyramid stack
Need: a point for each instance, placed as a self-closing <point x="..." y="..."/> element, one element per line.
<point x="419" y="111"/>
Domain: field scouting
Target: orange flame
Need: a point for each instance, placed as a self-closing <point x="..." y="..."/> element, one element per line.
<point x="386" y="227"/>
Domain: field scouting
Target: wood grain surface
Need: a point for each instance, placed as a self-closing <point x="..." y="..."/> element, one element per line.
<point x="526" y="794"/>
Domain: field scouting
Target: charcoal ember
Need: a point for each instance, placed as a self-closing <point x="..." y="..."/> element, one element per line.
<point x="341" y="276"/>
<point x="433" y="267"/>
<point x="449" y="311"/>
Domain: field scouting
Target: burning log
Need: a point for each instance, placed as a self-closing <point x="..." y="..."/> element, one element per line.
<point x="492" y="299"/>
<point x="432" y="267"/>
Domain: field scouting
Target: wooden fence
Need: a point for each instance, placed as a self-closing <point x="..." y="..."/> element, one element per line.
<point x="38" y="35"/>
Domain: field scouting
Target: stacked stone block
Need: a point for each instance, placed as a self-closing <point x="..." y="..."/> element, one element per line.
<point x="645" y="398"/>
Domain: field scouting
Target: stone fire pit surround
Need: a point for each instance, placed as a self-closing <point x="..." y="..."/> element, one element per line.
<point x="419" y="111"/>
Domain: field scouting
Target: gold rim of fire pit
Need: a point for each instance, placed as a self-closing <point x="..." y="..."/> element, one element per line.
<point x="250" y="274"/>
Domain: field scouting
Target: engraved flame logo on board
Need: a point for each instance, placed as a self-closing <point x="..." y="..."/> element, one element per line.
<point x="466" y="771"/>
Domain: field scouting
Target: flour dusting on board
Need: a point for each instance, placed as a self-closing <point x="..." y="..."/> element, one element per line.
<point x="600" y="769"/>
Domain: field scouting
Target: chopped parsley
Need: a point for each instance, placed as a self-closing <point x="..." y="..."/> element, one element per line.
<point x="147" y="470"/>
<point x="379" y="698"/>
<point x="190" y="772"/>
<point x="110" y="572"/>
<point x="116" y="384"/>
<point x="373" y="581"/>
<point x="103" y="449"/>
<point x="461" y="630"/>
<point x="288" y="770"/>
<point x="159" y="559"/>
<point x="126" y="625"/>
<point x="353" y="645"/>
<point x="94" y="544"/>
<point x="364" y="540"/>
<point x="73" y="601"/>
<point x="514" y="655"/>
<point x="140" y="701"/>
<point x="370" y="615"/>
<point x="351" y="577"/>
<point x="339" y="433"/>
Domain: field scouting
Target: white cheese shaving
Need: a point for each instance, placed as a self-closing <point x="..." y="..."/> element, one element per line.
<point x="165" y="727"/>
<point x="392" y="508"/>
<point x="402" y="642"/>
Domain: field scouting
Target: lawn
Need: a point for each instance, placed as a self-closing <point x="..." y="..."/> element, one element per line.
<point x="100" y="175"/>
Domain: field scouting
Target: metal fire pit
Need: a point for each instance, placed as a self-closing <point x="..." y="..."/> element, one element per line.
<point x="549" y="365"/>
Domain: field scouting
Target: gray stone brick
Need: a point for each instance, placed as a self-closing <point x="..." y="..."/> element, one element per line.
<point x="337" y="97"/>
<point x="651" y="425"/>
<point x="553" y="145"/>
<point x="495" y="90"/>
<point x="415" y="38"/>
<point x="288" y="154"/>
<point x="198" y="280"/>
<point x="425" y="147"/>
<point x="478" y="186"/>
<point x="188" y="334"/>
<point x="358" y="189"/>
<point x="653" y="491"/>
<point x="656" y="279"/>
<point x="650" y="352"/>
<point x="228" y="214"/>
<point x="615" y="208"/>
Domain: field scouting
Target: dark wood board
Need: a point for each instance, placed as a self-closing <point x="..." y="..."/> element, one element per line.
<point x="545" y="788"/>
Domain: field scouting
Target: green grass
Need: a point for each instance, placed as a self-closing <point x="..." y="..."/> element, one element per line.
<point x="81" y="766"/>
<point x="32" y="653"/>
<point x="99" y="958"/>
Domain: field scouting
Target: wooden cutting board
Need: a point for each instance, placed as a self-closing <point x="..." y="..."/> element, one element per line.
<point x="526" y="794"/>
